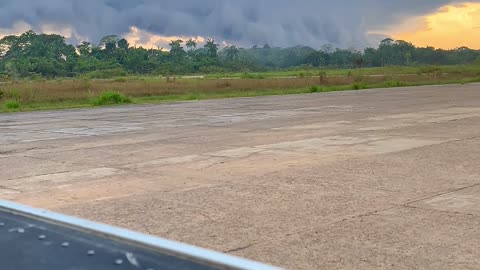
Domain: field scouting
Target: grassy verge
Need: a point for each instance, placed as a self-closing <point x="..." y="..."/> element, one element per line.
<point x="114" y="98"/>
<point x="30" y="95"/>
<point x="392" y="70"/>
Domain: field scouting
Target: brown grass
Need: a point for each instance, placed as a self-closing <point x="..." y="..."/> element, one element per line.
<point x="83" y="89"/>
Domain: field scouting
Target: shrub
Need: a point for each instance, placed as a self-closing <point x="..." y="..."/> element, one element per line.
<point x="394" y="83"/>
<point x="1" y="94"/>
<point x="111" y="98"/>
<point x="193" y="96"/>
<point x="12" y="105"/>
<point x="314" y="89"/>
<point x="360" y="85"/>
<point x="106" y="73"/>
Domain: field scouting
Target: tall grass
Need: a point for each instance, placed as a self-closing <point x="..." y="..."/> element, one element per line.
<point x="38" y="94"/>
<point x="471" y="70"/>
<point x="84" y="89"/>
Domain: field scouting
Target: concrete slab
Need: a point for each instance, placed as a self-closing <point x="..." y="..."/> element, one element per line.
<point x="228" y="215"/>
<point x="46" y="181"/>
<point x="464" y="200"/>
<point x="348" y="180"/>
<point x="12" y="168"/>
<point x="398" y="238"/>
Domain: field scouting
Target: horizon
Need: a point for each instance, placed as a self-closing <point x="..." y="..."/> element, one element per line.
<point x="201" y="41"/>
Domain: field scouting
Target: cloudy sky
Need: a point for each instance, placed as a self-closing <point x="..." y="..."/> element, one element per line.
<point x="343" y="23"/>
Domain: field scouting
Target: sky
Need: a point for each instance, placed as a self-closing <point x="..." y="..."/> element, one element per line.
<point x="342" y="23"/>
<point x="448" y="27"/>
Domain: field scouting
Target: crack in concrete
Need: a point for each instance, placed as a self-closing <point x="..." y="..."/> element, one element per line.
<point x="38" y="175"/>
<point x="406" y="205"/>
<point x="441" y="211"/>
<point x="352" y="217"/>
<point x="10" y="188"/>
<point x="370" y="213"/>
<point x="240" y="248"/>
<point x="440" y="194"/>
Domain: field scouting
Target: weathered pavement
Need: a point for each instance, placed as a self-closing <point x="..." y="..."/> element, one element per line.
<point x="374" y="179"/>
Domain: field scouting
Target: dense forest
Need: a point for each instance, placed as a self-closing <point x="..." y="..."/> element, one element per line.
<point x="48" y="55"/>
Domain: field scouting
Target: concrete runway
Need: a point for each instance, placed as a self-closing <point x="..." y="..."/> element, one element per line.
<point x="371" y="179"/>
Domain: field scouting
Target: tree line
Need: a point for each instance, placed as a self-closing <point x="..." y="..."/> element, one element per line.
<point x="48" y="55"/>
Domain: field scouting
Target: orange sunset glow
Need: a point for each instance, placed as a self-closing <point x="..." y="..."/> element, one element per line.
<point x="450" y="27"/>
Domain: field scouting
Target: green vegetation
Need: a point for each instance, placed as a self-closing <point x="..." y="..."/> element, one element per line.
<point x="314" y="89"/>
<point x="39" y="71"/>
<point x="359" y="86"/>
<point x="37" y="56"/>
<point x="394" y="83"/>
<point x="12" y="105"/>
<point x="63" y="94"/>
<point x="111" y="98"/>
<point x="470" y="69"/>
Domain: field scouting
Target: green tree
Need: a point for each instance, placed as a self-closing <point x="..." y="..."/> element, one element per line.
<point x="85" y="48"/>
<point x="48" y="55"/>
<point x="358" y="60"/>
<point x="191" y="44"/>
<point x="232" y="52"/>
<point x="112" y="39"/>
<point x="212" y="48"/>
<point x="317" y="59"/>
<point x="123" y="44"/>
<point x="176" y="49"/>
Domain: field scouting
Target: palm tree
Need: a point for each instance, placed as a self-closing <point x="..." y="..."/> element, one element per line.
<point x="232" y="52"/>
<point x="191" y="44"/>
<point x="176" y="45"/>
<point x="211" y="47"/>
<point x="176" y="49"/>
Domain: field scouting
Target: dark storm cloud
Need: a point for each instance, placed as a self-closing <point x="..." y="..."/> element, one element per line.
<point x="279" y="22"/>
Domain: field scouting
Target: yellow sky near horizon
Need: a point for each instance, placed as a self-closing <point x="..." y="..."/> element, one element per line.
<point x="138" y="37"/>
<point x="449" y="27"/>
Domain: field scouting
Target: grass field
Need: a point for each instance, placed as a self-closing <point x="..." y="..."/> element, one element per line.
<point x="394" y="70"/>
<point x="30" y="95"/>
